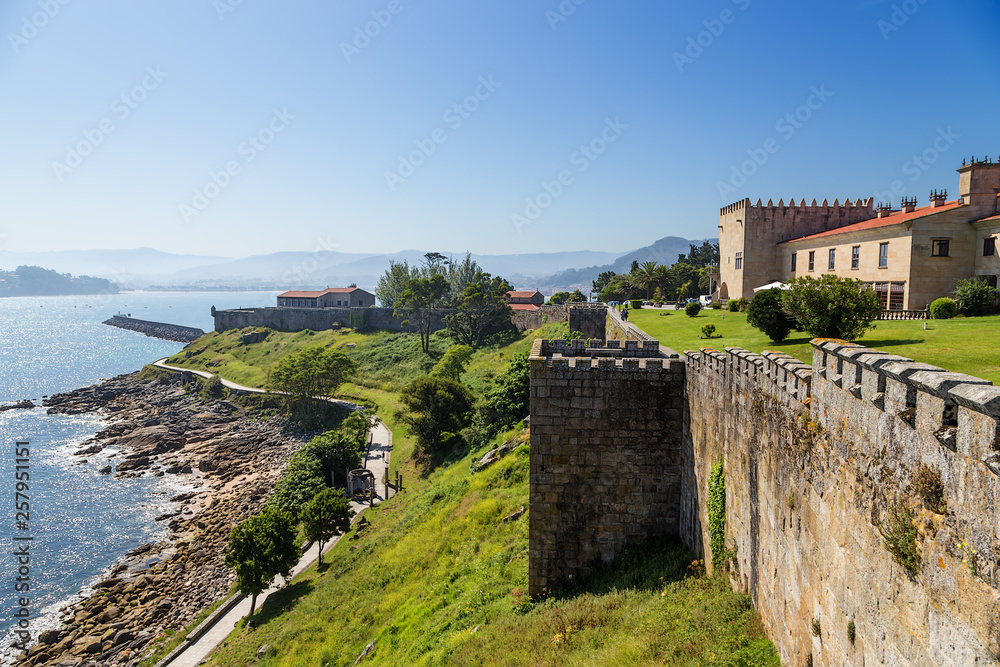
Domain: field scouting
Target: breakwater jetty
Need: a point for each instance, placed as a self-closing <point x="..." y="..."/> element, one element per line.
<point x="162" y="330"/>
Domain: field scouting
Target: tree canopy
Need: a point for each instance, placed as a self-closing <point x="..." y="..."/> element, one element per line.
<point x="418" y="302"/>
<point x="435" y="406"/>
<point x="765" y="312"/>
<point x="831" y="306"/>
<point x="393" y="282"/>
<point x="482" y="309"/>
<point x="261" y="548"/>
<point x="328" y="514"/>
<point x="312" y="372"/>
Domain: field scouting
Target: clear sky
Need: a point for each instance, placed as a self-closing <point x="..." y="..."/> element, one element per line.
<point x="240" y="127"/>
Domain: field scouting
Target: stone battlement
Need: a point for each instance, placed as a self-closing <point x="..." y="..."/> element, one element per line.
<point x="825" y="206"/>
<point x="646" y="349"/>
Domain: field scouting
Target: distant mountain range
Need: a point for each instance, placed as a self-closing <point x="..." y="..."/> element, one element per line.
<point x="145" y="268"/>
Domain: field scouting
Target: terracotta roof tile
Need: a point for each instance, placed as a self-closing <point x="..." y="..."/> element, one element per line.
<point x="896" y="218"/>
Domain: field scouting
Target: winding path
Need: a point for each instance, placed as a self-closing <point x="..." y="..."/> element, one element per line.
<point x="201" y="641"/>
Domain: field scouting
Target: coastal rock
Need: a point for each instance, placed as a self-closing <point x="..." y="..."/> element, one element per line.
<point x="20" y="405"/>
<point x="48" y="637"/>
<point x="157" y="425"/>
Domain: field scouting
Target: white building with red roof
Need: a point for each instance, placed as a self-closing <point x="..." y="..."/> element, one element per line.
<point x="911" y="256"/>
<point x="331" y="297"/>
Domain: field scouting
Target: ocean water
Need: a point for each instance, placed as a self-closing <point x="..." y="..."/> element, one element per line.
<point x="79" y="522"/>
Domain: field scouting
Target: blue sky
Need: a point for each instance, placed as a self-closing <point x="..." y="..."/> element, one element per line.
<point x="240" y="127"/>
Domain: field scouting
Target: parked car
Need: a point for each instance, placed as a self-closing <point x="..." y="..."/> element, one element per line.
<point x="705" y="300"/>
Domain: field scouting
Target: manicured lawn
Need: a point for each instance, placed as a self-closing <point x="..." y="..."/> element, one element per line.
<point x="964" y="344"/>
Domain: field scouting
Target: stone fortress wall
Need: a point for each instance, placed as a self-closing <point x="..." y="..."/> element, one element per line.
<point x="623" y="439"/>
<point x="318" y="319"/>
<point x="812" y="457"/>
<point x="605" y="453"/>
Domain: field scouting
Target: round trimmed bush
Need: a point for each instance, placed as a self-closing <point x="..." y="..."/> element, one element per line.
<point x="692" y="309"/>
<point x="944" y="308"/>
<point x="636" y="304"/>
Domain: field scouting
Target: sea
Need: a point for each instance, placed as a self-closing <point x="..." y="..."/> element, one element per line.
<point x="62" y="524"/>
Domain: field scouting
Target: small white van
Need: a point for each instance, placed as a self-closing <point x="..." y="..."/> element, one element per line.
<point x="705" y="300"/>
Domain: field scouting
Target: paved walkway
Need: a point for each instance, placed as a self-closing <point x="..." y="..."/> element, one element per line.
<point x="193" y="653"/>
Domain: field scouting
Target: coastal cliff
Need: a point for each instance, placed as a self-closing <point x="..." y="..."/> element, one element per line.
<point x="229" y="461"/>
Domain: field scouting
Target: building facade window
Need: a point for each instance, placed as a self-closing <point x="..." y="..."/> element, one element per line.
<point x="812" y="259"/>
<point x="793" y="261"/>
<point x="856" y="257"/>
<point x="939" y="247"/>
<point x="989" y="247"/>
<point x="833" y="259"/>
<point x="883" y="255"/>
<point x="739" y="261"/>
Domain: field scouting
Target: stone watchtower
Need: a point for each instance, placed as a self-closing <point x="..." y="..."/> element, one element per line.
<point x="606" y="442"/>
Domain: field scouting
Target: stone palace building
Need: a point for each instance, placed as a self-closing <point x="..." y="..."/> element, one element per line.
<point x="911" y="256"/>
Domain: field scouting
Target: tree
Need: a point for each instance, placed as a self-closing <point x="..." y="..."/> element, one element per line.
<point x="302" y="480"/>
<point x="261" y="548"/>
<point x="337" y="452"/>
<point x="435" y="406"/>
<point x="435" y="264"/>
<point x="507" y="401"/>
<point x="832" y="307"/>
<point x="328" y="514"/>
<point x="647" y="275"/>
<point x="453" y="363"/>
<point x="766" y="313"/>
<point x="418" y="302"/>
<point x="393" y="282"/>
<point x="602" y="281"/>
<point x="974" y="296"/>
<point x="312" y="372"/>
<point x="357" y="425"/>
<point x="461" y="275"/>
<point x="559" y="298"/>
<point x="482" y="308"/>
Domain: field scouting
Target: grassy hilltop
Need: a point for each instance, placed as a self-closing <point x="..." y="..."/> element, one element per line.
<point x="439" y="576"/>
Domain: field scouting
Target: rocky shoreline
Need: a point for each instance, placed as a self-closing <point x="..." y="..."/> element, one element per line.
<point x="229" y="459"/>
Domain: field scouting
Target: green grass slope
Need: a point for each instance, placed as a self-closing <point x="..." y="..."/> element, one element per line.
<point x="963" y="345"/>
<point x="438" y="577"/>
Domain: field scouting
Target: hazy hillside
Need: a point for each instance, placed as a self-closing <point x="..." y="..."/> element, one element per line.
<point x="145" y="267"/>
<point x="663" y="251"/>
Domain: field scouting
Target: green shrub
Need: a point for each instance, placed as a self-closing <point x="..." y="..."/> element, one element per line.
<point x="733" y="305"/>
<point x="851" y="632"/>
<point x="975" y="297"/>
<point x="767" y="313"/>
<point x="692" y="309"/>
<point x="212" y="389"/>
<point x="636" y="304"/>
<point x="817" y="630"/>
<point x="716" y="305"/>
<point x="944" y="308"/>
<point x="708" y="331"/>
<point x="831" y="307"/>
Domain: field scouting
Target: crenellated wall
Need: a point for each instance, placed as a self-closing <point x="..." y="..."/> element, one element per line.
<point x="812" y="457"/>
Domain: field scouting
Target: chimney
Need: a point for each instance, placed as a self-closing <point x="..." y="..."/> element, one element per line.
<point x="884" y="210"/>
<point x="938" y="198"/>
<point x="979" y="182"/>
<point x="908" y="204"/>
